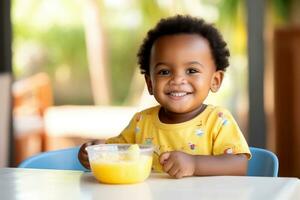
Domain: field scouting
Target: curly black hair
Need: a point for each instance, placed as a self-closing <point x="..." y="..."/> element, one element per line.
<point x="184" y="24"/>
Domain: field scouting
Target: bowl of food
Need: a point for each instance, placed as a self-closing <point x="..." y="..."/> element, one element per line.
<point x="120" y="163"/>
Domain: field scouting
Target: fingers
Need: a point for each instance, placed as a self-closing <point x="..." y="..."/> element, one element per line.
<point x="177" y="164"/>
<point x="84" y="160"/>
<point x="179" y="174"/>
<point x="93" y="142"/>
<point x="170" y="167"/>
<point x="89" y="143"/>
<point x="167" y="164"/>
<point x="83" y="155"/>
<point x="164" y="157"/>
<point x="173" y="171"/>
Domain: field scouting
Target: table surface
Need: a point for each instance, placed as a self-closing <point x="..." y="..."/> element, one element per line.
<point x="59" y="184"/>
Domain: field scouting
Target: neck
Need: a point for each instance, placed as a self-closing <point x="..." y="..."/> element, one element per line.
<point x="168" y="117"/>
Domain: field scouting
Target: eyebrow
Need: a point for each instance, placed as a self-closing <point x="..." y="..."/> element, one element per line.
<point x="195" y="62"/>
<point x="161" y="63"/>
<point x="187" y="63"/>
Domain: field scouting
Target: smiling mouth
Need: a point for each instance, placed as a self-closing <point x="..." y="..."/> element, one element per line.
<point x="178" y="94"/>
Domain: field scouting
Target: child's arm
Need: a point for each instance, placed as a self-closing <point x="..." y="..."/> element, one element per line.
<point x="82" y="154"/>
<point x="179" y="164"/>
<point x="125" y="137"/>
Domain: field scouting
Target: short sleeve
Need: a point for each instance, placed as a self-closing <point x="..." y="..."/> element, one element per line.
<point x="228" y="138"/>
<point x="127" y="136"/>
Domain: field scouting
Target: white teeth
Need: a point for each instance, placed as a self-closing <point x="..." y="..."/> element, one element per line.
<point x="178" y="94"/>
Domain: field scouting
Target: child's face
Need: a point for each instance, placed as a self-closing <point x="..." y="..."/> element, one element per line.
<point x="182" y="72"/>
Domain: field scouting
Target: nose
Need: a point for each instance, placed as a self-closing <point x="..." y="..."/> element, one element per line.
<point x="178" y="79"/>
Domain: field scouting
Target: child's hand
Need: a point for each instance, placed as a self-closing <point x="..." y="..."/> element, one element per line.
<point x="82" y="154"/>
<point x="178" y="164"/>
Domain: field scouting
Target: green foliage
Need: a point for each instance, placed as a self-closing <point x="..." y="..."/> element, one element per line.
<point x="125" y="27"/>
<point x="56" y="28"/>
<point x="60" y="43"/>
<point x="122" y="59"/>
<point x="229" y="10"/>
<point x="282" y="8"/>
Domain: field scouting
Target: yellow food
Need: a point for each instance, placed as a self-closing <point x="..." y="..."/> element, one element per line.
<point x="133" y="152"/>
<point x="122" y="171"/>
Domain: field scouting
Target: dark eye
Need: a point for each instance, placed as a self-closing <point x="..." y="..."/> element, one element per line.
<point x="191" y="71"/>
<point x="163" y="72"/>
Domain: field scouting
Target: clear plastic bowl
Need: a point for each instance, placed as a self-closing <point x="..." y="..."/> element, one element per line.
<point x="115" y="164"/>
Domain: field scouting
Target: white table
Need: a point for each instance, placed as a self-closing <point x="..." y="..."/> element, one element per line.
<point x="58" y="184"/>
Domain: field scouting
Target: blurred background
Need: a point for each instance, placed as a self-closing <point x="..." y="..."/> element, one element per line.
<point x="69" y="71"/>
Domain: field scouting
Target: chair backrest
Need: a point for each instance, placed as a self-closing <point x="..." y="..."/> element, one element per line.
<point x="262" y="163"/>
<point x="65" y="159"/>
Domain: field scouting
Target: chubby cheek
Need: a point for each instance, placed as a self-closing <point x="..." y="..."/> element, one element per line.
<point x="201" y="83"/>
<point x="158" y="91"/>
<point x="159" y="85"/>
<point x="159" y="94"/>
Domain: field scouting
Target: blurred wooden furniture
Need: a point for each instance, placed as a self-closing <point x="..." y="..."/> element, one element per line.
<point x="33" y="94"/>
<point x="5" y="109"/>
<point x="287" y="98"/>
<point x="31" y="97"/>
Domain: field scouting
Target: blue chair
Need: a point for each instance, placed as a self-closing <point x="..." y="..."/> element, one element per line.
<point x="262" y="163"/>
<point x="65" y="159"/>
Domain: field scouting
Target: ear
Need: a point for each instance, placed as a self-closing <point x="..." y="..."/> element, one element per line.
<point x="216" y="80"/>
<point x="149" y="84"/>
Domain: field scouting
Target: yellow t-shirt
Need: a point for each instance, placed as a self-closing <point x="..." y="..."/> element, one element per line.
<point x="212" y="132"/>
